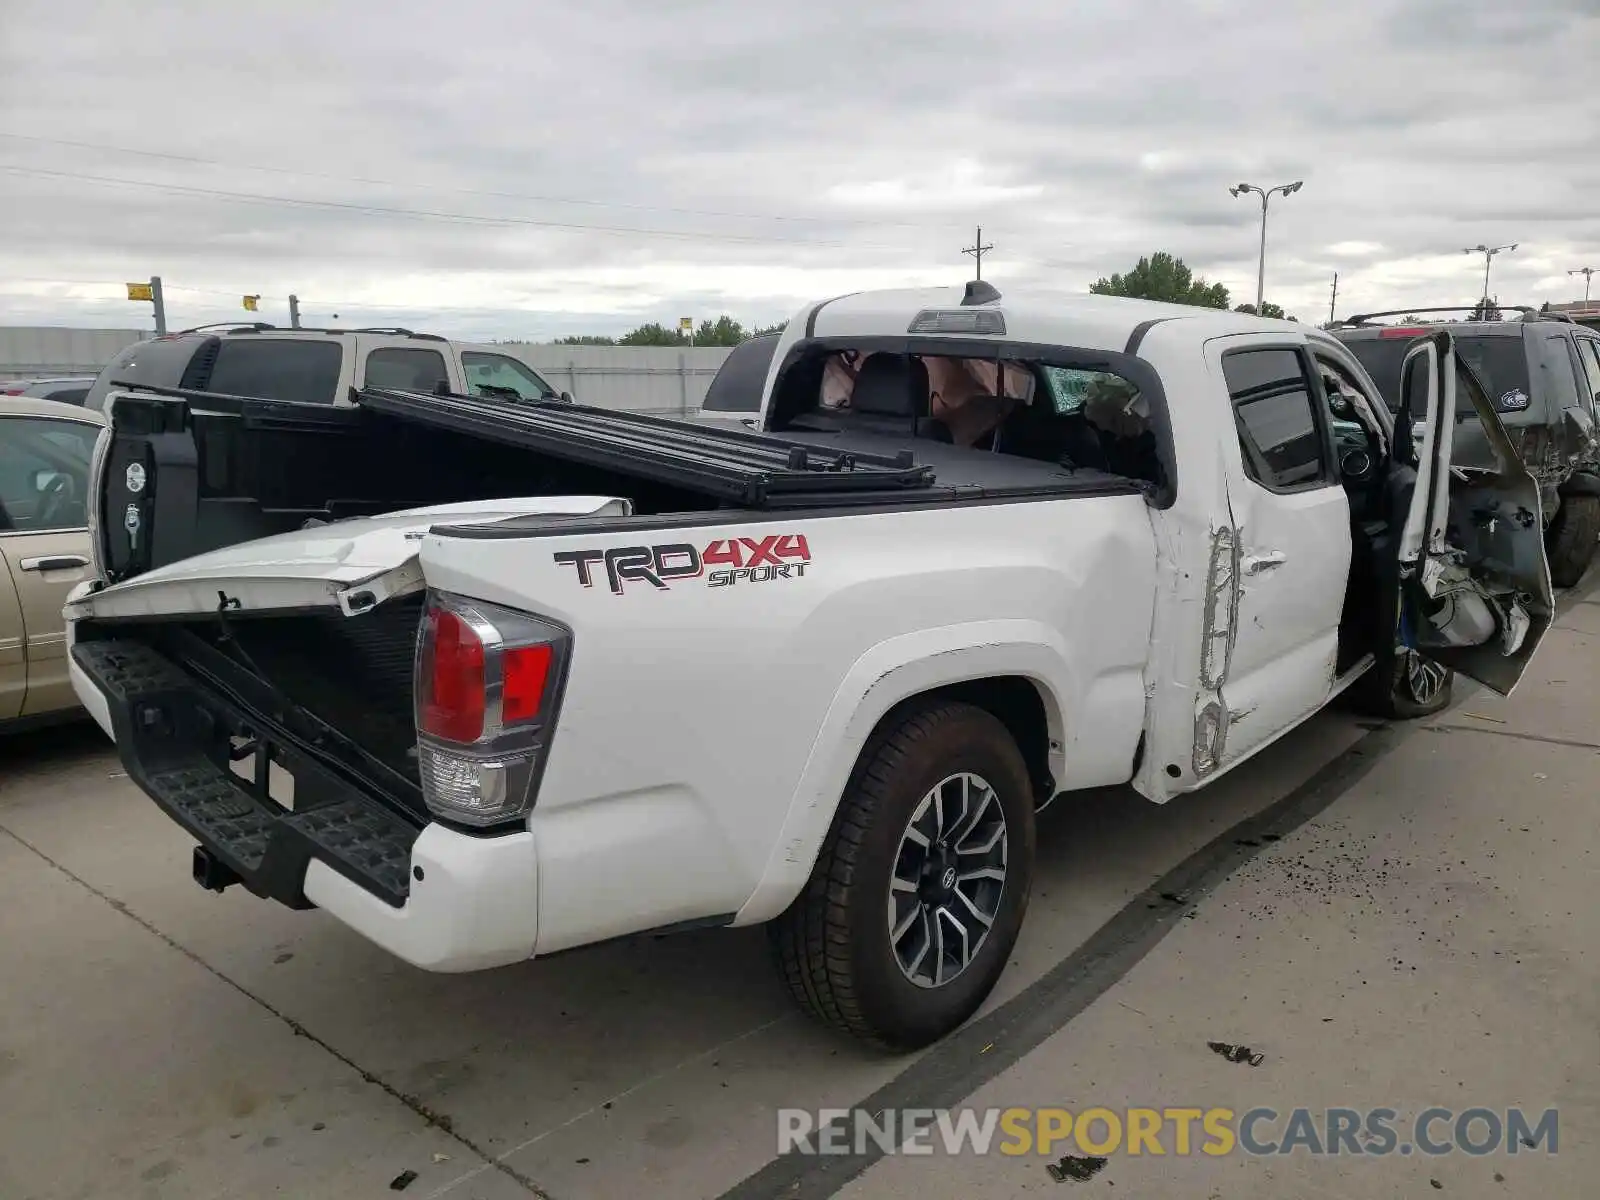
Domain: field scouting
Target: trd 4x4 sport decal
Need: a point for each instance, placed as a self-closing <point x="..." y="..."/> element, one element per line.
<point x="723" y="563"/>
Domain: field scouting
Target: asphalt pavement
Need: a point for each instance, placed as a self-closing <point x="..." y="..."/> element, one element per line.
<point x="1364" y="917"/>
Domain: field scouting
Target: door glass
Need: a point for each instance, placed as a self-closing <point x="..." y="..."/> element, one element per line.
<point x="44" y="473"/>
<point x="406" y="370"/>
<point x="1279" y="435"/>
<point x="485" y="371"/>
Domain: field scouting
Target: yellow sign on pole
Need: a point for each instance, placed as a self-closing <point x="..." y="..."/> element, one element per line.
<point x="251" y="301"/>
<point x="686" y="324"/>
<point x="140" y="291"/>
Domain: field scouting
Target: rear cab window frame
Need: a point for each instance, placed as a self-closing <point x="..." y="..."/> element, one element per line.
<point x="1138" y="371"/>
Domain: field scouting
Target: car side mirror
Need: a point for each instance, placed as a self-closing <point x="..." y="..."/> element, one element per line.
<point x="566" y="398"/>
<point x="43" y="481"/>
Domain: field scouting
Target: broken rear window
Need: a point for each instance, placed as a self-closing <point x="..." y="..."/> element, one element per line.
<point x="1080" y="418"/>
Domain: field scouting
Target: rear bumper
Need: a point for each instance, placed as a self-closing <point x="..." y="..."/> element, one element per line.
<point x="439" y="899"/>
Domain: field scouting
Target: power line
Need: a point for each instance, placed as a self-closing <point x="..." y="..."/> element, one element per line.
<point x="460" y="191"/>
<point x="436" y="215"/>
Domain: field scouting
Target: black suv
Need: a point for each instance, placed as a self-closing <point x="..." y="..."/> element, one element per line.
<point x="1542" y="372"/>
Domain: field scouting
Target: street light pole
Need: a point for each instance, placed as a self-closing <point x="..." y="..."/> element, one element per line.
<point x="1287" y="189"/>
<point x="1586" y="272"/>
<point x="1488" y="253"/>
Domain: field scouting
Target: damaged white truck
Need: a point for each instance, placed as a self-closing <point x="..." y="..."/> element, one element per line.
<point x="485" y="682"/>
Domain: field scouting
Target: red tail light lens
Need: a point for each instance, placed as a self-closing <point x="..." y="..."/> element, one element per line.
<point x="1404" y="331"/>
<point x="452" y="698"/>
<point x="523" y="675"/>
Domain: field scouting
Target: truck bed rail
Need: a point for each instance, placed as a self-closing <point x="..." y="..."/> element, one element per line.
<point x="749" y="469"/>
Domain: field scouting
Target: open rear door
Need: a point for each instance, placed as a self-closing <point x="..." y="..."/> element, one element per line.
<point x="1475" y="592"/>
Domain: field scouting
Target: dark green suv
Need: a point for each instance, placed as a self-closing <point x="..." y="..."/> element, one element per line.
<point x="1542" y="371"/>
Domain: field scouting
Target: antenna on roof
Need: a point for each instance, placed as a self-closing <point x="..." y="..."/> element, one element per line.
<point x="979" y="292"/>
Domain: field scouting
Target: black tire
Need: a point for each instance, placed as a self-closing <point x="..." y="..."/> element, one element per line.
<point x="1571" y="540"/>
<point x="833" y="944"/>
<point x="1391" y="689"/>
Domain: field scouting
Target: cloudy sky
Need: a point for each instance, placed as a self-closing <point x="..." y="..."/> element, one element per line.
<point x="495" y="168"/>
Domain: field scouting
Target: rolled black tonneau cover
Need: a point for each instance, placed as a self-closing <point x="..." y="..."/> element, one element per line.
<point x="727" y="464"/>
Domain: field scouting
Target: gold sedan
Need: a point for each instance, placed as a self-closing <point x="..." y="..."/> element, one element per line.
<point x="45" y="450"/>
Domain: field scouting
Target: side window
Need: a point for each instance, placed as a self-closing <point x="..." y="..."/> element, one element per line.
<point x="295" y="369"/>
<point x="44" y="473"/>
<point x="1589" y="356"/>
<point x="73" y="395"/>
<point x="1566" y="376"/>
<point x="406" y="370"/>
<point x="502" y="371"/>
<point x="1274" y="405"/>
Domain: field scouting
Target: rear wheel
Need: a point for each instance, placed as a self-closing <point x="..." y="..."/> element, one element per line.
<point x="916" y="898"/>
<point x="1571" y="540"/>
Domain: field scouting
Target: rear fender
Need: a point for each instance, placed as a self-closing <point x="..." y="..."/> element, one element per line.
<point x="886" y="675"/>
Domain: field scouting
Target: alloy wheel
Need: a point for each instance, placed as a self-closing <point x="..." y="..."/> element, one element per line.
<point x="949" y="876"/>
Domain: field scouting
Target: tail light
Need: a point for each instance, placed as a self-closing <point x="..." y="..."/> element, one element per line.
<point x="488" y="684"/>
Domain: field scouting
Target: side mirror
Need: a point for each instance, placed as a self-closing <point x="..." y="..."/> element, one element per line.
<point x="43" y="481"/>
<point x="566" y="398"/>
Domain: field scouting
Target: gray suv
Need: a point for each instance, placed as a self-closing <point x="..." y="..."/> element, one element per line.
<point x="1542" y="372"/>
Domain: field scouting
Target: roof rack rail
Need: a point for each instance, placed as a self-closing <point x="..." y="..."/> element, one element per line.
<point x="253" y="326"/>
<point x="1364" y="318"/>
<point x="750" y="469"/>
<point x="398" y="331"/>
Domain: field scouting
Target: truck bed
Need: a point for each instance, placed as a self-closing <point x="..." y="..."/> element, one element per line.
<point x="189" y="472"/>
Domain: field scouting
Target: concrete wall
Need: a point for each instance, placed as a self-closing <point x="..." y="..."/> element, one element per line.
<point x="655" y="379"/>
<point x="49" y="350"/>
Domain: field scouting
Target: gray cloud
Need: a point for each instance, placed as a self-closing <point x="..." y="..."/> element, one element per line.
<point x="762" y="157"/>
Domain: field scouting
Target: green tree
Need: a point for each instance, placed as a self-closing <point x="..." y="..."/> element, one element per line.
<point x="766" y="329"/>
<point x="1268" y="309"/>
<point x="724" y="331"/>
<point x="587" y="339"/>
<point x="1163" y="277"/>
<point x="1485" y="310"/>
<point x="652" y="334"/>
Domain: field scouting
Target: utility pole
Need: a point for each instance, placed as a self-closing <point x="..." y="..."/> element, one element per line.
<point x="1586" y="272"/>
<point x="159" y="304"/>
<point x="294" y="311"/>
<point x="1488" y="253"/>
<point x="1287" y="189"/>
<point x="1334" y="299"/>
<point x="977" y="250"/>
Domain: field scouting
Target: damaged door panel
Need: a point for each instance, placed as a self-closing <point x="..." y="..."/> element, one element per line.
<point x="1475" y="590"/>
<point x="1290" y="552"/>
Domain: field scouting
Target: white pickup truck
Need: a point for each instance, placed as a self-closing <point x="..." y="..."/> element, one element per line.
<point x="486" y="682"/>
